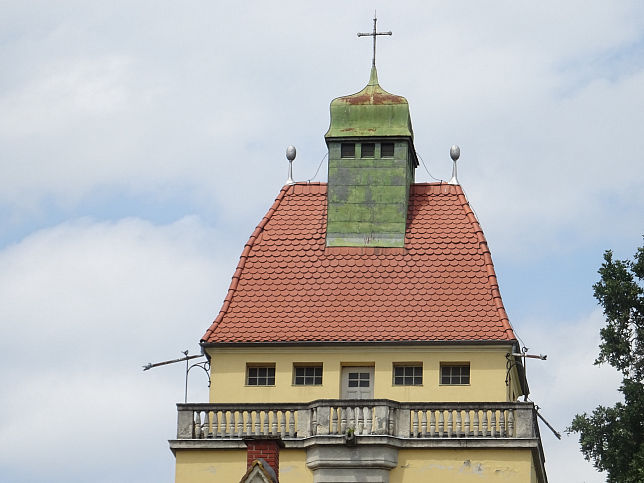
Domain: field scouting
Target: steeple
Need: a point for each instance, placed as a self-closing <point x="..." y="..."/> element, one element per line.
<point x="371" y="166"/>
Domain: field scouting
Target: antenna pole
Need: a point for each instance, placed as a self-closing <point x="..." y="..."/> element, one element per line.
<point x="185" y="393"/>
<point x="555" y="432"/>
<point x="204" y="365"/>
<point x="149" y="365"/>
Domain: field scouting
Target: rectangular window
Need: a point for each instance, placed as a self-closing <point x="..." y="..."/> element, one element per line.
<point x="408" y="375"/>
<point x="307" y="375"/>
<point x="455" y="374"/>
<point x="260" y="375"/>
<point x="358" y="379"/>
<point x="387" y="150"/>
<point x="368" y="150"/>
<point x="348" y="150"/>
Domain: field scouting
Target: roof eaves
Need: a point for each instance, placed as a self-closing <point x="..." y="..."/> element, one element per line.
<point x="460" y="342"/>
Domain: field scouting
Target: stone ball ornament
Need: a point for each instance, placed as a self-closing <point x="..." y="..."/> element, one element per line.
<point x="455" y="152"/>
<point x="290" y="153"/>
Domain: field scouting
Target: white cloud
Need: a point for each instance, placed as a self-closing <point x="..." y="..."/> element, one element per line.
<point x="84" y="305"/>
<point x="566" y="384"/>
<point x="540" y="98"/>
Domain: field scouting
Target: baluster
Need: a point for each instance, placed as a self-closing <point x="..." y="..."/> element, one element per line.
<point x="282" y="425"/>
<point x="198" y="424"/>
<point x="432" y="423"/>
<point x="248" y="416"/>
<point x="343" y="420"/>
<point x="390" y="423"/>
<point x="423" y="423"/>
<point x="441" y="424"/>
<point x="233" y="423"/>
<point x="215" y="424"/>
<point x="510" y="423"/>
<point x="206" y="425"/>
<point x="257" y="422"/>
<point x="368" y="421"/>
<point x="226" y="420"/>
<point x="265" y="414"/>
<point x="333" y="414"/>
<point x="359" y="422"/>
<point x="414" y="423"/>
<point x="485" y="423"/>
<point x="450" y="424"/>
<point x="493" y="423"/>
<point x="468" y="426"/>
<point x="314" y="421"/>
<point x="291" y="423"/>
<point x="274" y="423"/>
<point x="240" y="424"/>
<point x="502" y="423"/>
<point x="351" y="422"/>
<point x="476" y="423"/>
<point x="459" y="424"/>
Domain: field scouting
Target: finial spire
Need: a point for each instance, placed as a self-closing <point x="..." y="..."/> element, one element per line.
<point x="373" y="34"/>
<point x="454" y="153"/>
<point x="373" y="78"/>
<point x="290" y="155"/>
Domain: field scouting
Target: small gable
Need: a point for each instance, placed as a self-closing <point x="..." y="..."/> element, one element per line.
<point x="259" y="472"/>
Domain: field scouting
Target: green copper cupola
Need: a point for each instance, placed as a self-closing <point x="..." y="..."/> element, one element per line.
<point x="371" y="166"/>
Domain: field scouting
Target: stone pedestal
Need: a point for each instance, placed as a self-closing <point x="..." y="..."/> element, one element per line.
<point x="344" y="464"/>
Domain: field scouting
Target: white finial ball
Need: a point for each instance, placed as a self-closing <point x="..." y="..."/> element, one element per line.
<point x="290" y="153"/>
<point x="455" y="152"/>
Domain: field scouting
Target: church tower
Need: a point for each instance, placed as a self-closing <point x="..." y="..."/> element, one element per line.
<point x="363" y="337"/>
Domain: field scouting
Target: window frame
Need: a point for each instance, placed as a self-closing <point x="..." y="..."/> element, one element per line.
<point x="372" y="147"/>
<point x="308" y="365"/>
<point x="256" y="366"/>
<point x="413" y="376"/>
<point x="393" y="150"/>
<point x="452" y="377"/>
<point x="360" y="379"/>
<point x="346" y="145"/>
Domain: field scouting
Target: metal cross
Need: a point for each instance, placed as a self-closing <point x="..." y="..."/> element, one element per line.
<point x="373" y="34"/>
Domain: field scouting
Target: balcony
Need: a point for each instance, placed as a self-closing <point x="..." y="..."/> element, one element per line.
<point x="374" y="421"/>
<point x="345" y="435"/>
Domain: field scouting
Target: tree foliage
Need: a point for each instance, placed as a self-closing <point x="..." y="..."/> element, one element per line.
<point x="613" y="437"/>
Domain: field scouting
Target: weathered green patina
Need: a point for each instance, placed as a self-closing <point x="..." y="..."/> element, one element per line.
<point x="372" y="112"/>
<point x="368" y="190"/>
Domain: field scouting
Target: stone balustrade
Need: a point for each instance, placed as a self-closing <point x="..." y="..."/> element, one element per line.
<point x="342" y="417"/>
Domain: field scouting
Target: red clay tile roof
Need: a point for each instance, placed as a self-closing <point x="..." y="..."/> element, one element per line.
<point x="288" y="287"/>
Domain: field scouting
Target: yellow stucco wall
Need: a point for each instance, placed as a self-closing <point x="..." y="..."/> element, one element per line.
<point x="205" y="466"/>
<point x="228" y="466"/>
<point x="293" y="467"/>
<point x="414" y="466"/>
<point x="464" y="466"/>
<point x="487" y="373"/>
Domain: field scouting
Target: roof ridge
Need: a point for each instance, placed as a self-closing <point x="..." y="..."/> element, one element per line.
<point x="242" y="260"/>
<point x="487" y="259"/>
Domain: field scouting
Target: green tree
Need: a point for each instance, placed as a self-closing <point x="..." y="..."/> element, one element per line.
<point x="613" y="437"/>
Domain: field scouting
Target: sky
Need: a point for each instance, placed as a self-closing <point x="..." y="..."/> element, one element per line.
<point x="141" y="142"/>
